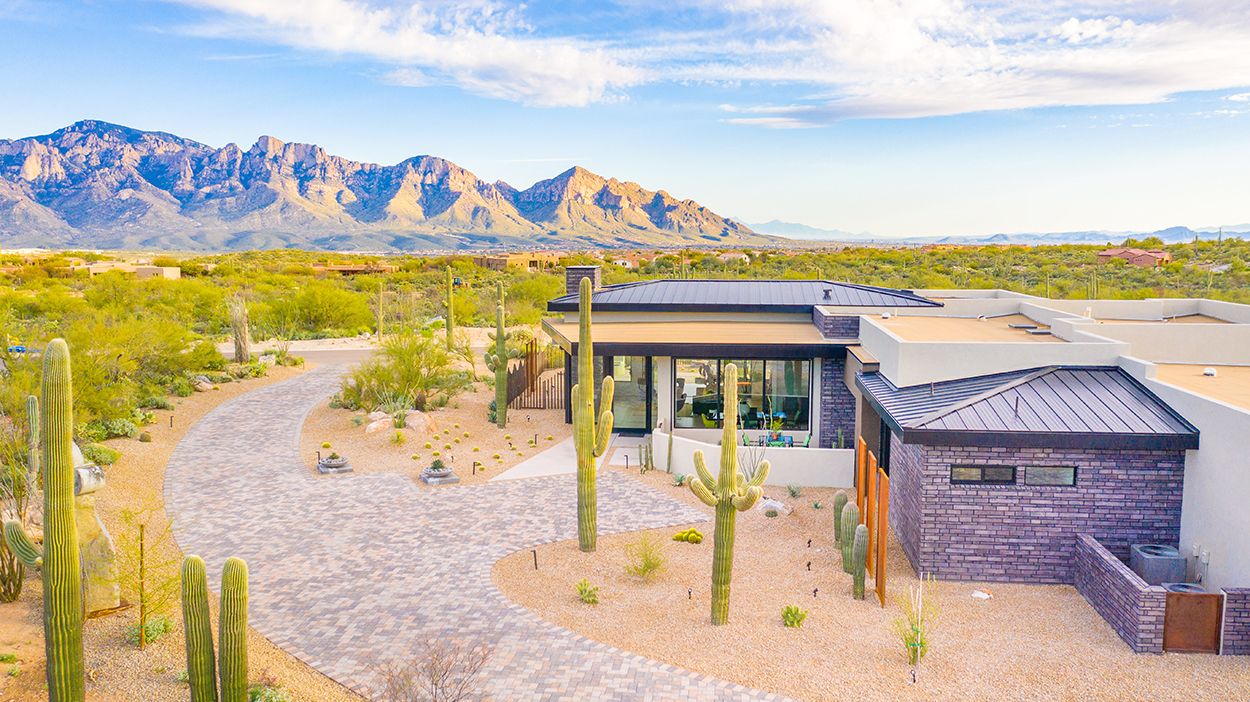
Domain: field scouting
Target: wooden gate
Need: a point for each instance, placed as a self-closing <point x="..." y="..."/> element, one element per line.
<point x="1191" y="622"/>
<point x="547" y="393"/>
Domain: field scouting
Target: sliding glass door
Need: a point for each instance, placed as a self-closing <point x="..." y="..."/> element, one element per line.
<point x="635" y="391"/>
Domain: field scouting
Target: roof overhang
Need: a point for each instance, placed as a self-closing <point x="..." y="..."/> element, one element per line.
<point x="701" y="339"/>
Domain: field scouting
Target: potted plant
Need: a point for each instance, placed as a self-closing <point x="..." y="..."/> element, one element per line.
<point x="438" y="469"/>
<point x="333" y="463"/>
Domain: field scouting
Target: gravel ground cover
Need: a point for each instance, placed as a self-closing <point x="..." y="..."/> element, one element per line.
<point x="1026" y="643"/>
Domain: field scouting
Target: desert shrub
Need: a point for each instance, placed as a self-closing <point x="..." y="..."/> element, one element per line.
<point x="913" y="629"/>
<point x="587" y="593"/>
<point x="156" y="627"/>
<point x="156" y="402"/>
<point x="646" y="558"/>
<point x="414" y="366"/>
<point x="14" y="500"/>
<point x="100" y="455"/>
<point x="204" y="356"/>
<point x="145" y="438"/>
<point x="444" y="670"/>
<point x="399" y="438"/>
<point x="180" y="386"/>
<point x="794" y="490"/>
<point x="101" y="429"/>
<point x="792" y="616"/>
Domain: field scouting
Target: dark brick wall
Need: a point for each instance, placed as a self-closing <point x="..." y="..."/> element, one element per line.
<point x="906" y="484"/>
<point x="833" y="326"/>
<point x="573" y="277"/>
<point x="1134" y="609"/>
<point x="837" y="404"/>
<point x="1236" y="621"/>
<point x="1024" y="533"/>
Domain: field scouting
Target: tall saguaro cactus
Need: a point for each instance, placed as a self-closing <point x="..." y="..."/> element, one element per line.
<point x="451" y="312"/>
<point x="497" y="363"/>
<point x="589" y="437"/>
<point x="231" y="663"/>
<point x="730" y="493"/>
<point x="59" y="558"/>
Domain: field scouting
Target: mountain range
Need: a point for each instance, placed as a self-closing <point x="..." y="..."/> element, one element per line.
<point x="99" y="185"/>
<point x="1170" y="235"/>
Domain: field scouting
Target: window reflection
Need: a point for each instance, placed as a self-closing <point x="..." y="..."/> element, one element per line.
<point x="771" y="393"/>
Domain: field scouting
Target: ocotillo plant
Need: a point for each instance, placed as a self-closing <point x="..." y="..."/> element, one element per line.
<point x="839" y="504"/>
<point x="850" y="518"/>
<point x="231" y="664"/>
<point x="589" y="436"/>
<point x="729" y="493"/>
<point x="859" y="557"/>
<point x="59" y="558"/>
<point x="497" y="363"/>
<point x="451" y="312"/>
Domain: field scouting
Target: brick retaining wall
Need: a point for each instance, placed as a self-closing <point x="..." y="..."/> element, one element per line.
<point x="1134" y="609"/>
<point x="1236" y="621"/>
<point x="1026" y="533"/>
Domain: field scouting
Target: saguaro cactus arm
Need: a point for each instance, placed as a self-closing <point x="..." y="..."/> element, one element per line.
<point x="21" y="545"/>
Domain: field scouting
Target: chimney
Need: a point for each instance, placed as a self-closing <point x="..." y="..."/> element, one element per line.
<point x="573" y="277"/>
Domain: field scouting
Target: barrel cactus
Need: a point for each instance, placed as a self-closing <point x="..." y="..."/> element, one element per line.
<point x="730" y="493"/>
<point x="497" y="363"/>
<point x="859" y="557"/>
<point x="59" y="558"/>
<point x="839" y="503"/>
<point x="230" y="667"/>
<point x="850" y="518"/>
<point x="590" y="437"/>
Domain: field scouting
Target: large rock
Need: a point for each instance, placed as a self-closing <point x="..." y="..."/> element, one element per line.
<point x="379" y="425"/>
<point x="101" y="589"/>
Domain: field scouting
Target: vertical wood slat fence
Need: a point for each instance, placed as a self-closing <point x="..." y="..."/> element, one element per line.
<point x="872" y="495"/>
<point x="527" y="388"/>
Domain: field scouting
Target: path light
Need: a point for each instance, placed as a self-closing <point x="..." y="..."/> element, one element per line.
<point x="318" y="456"/>
<point x="535" y="552"/>
<point x="171" y="421"/>
<point x="689" y="594"/>
<point x="809" y="543"/>
<point x="475" y="465"/>
<point x="809" y="566"/>
<point x="815" y="591"/>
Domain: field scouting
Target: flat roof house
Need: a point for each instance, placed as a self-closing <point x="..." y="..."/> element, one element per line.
<point x="1025" y="439"/>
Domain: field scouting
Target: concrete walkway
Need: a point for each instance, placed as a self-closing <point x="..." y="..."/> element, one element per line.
<point x="560" y="459"/>
<point x="348" y="571"/>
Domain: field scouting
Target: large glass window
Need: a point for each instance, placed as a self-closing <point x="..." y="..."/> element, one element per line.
<point x="772" y="392"/>
<point x="789" y="389"/>
<point x="696" y="393"/>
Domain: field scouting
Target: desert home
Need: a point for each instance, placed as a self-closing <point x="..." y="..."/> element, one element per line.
<point x="142" y="271"/>
<point x="1138" y="257"/>
<point x="1096" y="443"/>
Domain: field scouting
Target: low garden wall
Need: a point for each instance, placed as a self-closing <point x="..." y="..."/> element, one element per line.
<point x="1236" y="635"/>
<point x="1134" y="609"/>
<point x="806" y="467"/>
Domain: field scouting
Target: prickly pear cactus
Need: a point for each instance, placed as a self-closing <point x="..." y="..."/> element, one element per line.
<point x="729" y="493"/>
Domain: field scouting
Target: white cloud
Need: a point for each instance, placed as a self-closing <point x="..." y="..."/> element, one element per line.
<point x="480" y="45"/>
<point x="849" y="58"/>
<point x="1239" y="97"/>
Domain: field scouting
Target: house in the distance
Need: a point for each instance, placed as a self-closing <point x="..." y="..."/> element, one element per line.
<point x="1023" y="439"/>
<point x="142" y="271"/>
<point x="1152" y="258"/>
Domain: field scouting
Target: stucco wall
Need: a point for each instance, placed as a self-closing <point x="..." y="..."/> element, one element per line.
<point x="793" y="466"/>
<point x="1028" y="533"/>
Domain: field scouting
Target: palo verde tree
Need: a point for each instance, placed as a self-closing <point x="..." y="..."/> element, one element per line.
<point x="497" y="363"/>
<point x="589" y="437"/>
<point x="730" y="493"/>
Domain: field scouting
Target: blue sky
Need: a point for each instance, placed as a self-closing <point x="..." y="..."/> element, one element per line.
<point x="904" y="117"/>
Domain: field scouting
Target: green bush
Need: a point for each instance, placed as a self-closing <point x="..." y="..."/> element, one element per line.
<point x="646" y="558"/>
<point x="157" y="626"/>
<point x="414" y="366"/>
<point x="260" y="692"/>
<point x="587" y="593"/>
<point x="792" y="616"/>
<point x="156" y="402"/>
<point x="204" y="356"/>
<point x="100" y="455"/>
<point x="180" y="386"/>
<point x="145" y="438"/>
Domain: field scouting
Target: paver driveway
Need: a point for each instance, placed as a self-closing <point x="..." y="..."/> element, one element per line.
<point x="350" y="570"/>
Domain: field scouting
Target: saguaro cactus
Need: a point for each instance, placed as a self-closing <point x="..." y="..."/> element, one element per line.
<point x="497" y="362"/>
<point x="589" y="437"/>
<point x="231" y="665"/>
<point x="859" y="558"/>
<point x="729" y="493"/>
<point x="850" y="518"/>
<point x="451" y="312"/>
<point x="839" y="504"/>
<point x="62" y="573"/>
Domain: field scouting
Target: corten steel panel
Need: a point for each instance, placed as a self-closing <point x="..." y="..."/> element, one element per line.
<point x="883" y="534"/>
<point x="1191" y="622"/>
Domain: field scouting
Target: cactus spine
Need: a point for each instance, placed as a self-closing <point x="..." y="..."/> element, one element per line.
<point x="201" y="666"/>
<point x="729" y="493"/>
<point x="59" y="558"/>
<point x="451" y="313"/>
<point x="497" y="362"/>
<point x="839" y="503"/>
<point x="859" y="558"/>
<point x="589" y="437"/>
<point x="231" y="664"/>
<point x="850" y="518"/>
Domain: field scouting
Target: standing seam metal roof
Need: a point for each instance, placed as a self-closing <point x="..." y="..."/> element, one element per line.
<point x="731" y="295"/>
<point x="1055" y="400"/>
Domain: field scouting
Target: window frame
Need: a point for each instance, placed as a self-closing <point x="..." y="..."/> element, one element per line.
<point x="1028" y="471"/>
<point x="812" y="367"/>
<point x="1015" y="475"/>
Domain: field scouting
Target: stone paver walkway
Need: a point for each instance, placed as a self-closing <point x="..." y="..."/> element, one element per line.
<point x="347" y="571"/>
